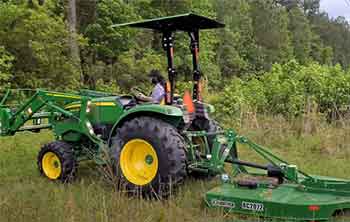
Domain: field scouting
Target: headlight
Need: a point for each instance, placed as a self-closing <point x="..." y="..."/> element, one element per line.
<point x="88" y="107"/>
<point x="89" y="126"/>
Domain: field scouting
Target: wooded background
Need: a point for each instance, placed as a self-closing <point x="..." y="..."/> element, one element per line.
<point x="273" y="56"/>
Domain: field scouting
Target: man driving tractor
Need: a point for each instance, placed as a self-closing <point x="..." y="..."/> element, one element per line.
<point x="158" y="92"/>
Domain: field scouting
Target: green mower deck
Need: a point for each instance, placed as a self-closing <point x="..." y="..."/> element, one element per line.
<point x="284" y="192"/>
<point x="287" y="201"/>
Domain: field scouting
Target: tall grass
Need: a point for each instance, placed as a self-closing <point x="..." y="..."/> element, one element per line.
<point x="26" y="196"/>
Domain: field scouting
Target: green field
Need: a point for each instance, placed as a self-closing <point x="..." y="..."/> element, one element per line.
<point x="26" y="196"/>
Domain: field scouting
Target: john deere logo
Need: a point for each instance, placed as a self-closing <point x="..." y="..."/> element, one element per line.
<point x="223" y="203"/>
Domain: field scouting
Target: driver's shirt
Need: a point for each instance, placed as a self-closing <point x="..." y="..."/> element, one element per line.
<point x="158" y="93"/>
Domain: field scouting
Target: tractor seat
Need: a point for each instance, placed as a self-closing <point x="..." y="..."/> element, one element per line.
<point x="127" y="101"/>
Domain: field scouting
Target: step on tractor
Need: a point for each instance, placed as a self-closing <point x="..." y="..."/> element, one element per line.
<point x="153" y="148"/>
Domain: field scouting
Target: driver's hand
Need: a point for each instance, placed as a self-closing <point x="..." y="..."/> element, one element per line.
<point x="136" y="91"/>
<point x="140" y="95"/>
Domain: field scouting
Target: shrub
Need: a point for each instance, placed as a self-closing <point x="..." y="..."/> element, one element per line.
<point x="286" y="90"/>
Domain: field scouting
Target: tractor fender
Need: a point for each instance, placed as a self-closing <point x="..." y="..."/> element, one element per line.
<point x="172" y="115"/>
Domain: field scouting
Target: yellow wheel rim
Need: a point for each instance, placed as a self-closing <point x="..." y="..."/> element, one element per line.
<point x="51" y="165"/>
<point x="139" y="162"/>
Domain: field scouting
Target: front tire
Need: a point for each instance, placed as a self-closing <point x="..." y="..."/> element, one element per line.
<point x="56" y="161"/>
<point x="148" y="157"/>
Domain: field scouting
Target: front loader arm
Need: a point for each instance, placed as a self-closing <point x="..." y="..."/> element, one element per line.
<point x="40" y="99"/>
<point x="50" y="105"/>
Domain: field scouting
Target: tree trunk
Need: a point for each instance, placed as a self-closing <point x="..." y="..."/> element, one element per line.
<point x="73" y="44"/>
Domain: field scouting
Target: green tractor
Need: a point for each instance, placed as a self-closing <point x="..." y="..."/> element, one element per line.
<point x="145" y="141"/>
<point x="152" y="148"/>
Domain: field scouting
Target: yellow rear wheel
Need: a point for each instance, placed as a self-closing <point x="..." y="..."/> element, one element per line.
<point x="148" y="157"/>
<point x="139" y="162"/>
<point x="51" y="165"/>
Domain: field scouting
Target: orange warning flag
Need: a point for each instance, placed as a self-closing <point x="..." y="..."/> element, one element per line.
<point x="188" y="102"/>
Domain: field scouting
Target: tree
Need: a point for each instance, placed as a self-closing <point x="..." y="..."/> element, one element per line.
<point x="6" y="60"/>
<point x="73" y="42"/>
<point x="270" y="23"/>
<point x="289" y="4"/>
<point x="237" y="53"/>
<point x="301" y="35"/>
<point x="38" y="42"/>
<point x="334" y="33"/>
<point x="172" y="7"/>
<point x="311" y="7"/>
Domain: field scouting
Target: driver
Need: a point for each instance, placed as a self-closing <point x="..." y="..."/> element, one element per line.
<point x="158" y="92"/>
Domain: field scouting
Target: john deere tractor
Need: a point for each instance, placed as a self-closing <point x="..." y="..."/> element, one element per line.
<point x="152" y="148"/>
<point x="146" y="141"/>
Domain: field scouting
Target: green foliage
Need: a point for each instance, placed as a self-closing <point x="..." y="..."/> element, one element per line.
<point x="301" y="35"/>
<point x="134" y="66"/>
<point x="287" y="89"/>
<point x="107" y="43"/>
<point x="238" y="54"/>
<point x="107" y="86"/>
<point x="39" y="44"/>
<point x="272" y="56"/>
<point x="335" y="34"/>
<point x="271" y="32"/>
<point x="231" y="99"/>
<point x="6" y="60"/>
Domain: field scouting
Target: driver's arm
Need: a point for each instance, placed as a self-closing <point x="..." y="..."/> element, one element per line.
<point x="144" y="98"/>
<point x="140" y="96"/>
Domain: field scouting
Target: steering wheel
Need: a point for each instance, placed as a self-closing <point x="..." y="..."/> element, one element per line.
<point x="138" y="93"/>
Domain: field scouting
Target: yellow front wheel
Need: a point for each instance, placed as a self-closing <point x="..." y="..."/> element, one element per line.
<point x="139" y="162"/>
<point x="51" y="165"/>
<point x="56" y="161"/>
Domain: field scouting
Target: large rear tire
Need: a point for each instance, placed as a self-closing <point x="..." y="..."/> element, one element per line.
<point x="56" y="161"/>
<point x="148" y="157"/>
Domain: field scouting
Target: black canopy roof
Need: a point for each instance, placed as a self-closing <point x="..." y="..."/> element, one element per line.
<point x="185" y="22"/>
